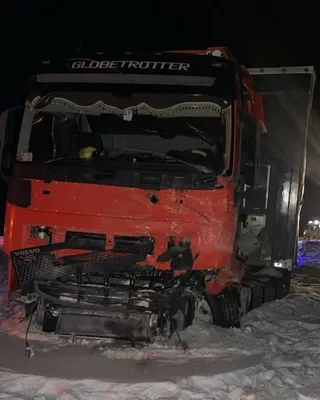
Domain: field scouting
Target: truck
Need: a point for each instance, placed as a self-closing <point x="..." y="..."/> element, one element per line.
<point x="311" y="231"/>
<point x="144" y="188"/>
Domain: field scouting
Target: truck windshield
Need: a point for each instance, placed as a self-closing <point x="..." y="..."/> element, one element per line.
<point x="195" y="133"/>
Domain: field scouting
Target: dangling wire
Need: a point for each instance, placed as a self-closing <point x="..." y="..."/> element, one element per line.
<point x="182" y="343"/>
<point x="28" y="349"/>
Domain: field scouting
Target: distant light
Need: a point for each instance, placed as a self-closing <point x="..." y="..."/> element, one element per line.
<point x="310" y="222"/>
<point x="316" y="222"/>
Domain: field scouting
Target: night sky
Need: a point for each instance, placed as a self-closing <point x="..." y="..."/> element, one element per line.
<point x="258" y="33"/>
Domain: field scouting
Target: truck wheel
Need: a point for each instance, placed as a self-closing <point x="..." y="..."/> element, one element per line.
<point x="281" y="291"/>
<point x="224" y="309"/>
<point x="256" y="294"/>
<point x="269" y="292"/>
<point x="283" y="285"/>
<point x="269" y="288"/>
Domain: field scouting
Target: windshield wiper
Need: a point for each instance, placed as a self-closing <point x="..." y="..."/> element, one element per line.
<point x="210" y="178"/>
<point x="170" y="135"/>
<point x="56" y="160"/>
<point x="164" y="129"/>
<point x="163" y="157"/>
<point x="205" y="138"/>
<point x="93" y="171"/>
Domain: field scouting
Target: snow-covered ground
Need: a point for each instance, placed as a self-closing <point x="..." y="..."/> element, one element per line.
<point x="275" y="355"/>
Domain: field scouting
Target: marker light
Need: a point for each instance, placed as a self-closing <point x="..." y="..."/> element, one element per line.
<point x="277" y="264"/>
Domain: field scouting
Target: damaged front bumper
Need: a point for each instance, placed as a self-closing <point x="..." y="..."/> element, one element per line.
<point x="100" y="293"/>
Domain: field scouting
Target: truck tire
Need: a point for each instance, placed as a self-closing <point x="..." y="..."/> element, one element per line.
<point x="283" y="285"/>
<point x="224" y="309"/>
<point x="256" y="295"/>
<point x="269" y="291"/>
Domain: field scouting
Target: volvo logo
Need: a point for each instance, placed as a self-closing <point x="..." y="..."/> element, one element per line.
<point x="26" y="252"/>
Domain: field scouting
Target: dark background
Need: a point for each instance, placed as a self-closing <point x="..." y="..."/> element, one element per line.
<point x="258" y="33"/>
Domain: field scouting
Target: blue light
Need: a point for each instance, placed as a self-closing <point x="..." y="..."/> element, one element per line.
<point x="309" y="252"/>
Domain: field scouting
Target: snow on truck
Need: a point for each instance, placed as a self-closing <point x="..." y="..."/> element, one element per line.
<point x="143" y="185"/>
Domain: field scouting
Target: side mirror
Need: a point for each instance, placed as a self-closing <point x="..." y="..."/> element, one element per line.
<point x="7" y="159"/>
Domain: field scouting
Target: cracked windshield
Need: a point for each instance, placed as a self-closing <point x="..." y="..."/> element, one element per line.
<point x="194" y="134"/>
